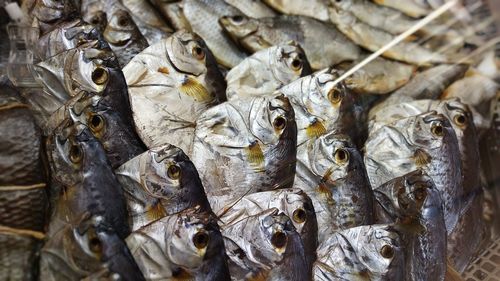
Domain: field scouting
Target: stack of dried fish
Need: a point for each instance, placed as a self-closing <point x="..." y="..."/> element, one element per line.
<point x="223" y="140"/>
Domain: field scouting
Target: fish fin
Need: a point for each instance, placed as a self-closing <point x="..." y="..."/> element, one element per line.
<point x="260" y="275"/>
<point x="451" y="274"/>
<point x="323" y="189"/>
<point x="255" y="154"/>
<point x="156" y="212"/>
<point x="421" y="158"/>
<point x="163" y="70"/>
<point x="191" y="87"/>
<point x="180" y="274"/>
<point x="315" y="129"/>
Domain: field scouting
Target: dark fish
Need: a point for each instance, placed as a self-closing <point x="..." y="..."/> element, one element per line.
<point x="160" y="182"/>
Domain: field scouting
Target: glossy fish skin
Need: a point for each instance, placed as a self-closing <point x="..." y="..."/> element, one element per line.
<point x="320" y="105"/>
<point x="187" y="245"/>
<point x="252" y="8"/>
<point x="170" y="84"/>
<point x="245" y="146"/>
<point x="373" y="39"/>
<point x="371" y="252"/>
<point x="89" y="249"/>
<point x="413" y="8"/>
<point x="258" y="34"/>
<point x="149" y="21"/>
<point x="158" y="183"/>
<point x="173" y="11"/>
<point x="84" y="181"/>
<point x="49" y="13"/>
<point x="265" y="246"/>
<point x="426" y="142"/>
<point x="317" y="9"/>
<point x="203" y="16"/>
<point x="414" y="201"/>
<point x="266" y="71"/>
<point x="330" y="170"/>
<point x="294" y="203"/>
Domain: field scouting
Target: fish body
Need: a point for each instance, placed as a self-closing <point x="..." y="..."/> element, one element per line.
<point x="330" y="170"/>
<point x="371" y="252"/>
<point x="160" y="182"/>
<point x="187" y="245"/>
<point x="203" y="16"/>
<point x="255" y="9"/>
<point x="245" y="146"/>
<point x="266" y="71"/>
<point x="426" y="142"/>
<point x="148" y="20"/>
<point x="310" y="34"/>
<point x="413" y="8"/>
<point x="317" y="9"/>
<point x="173" y="11"/>
<point x="170" y="84"/>
<point x="47" y="14"/>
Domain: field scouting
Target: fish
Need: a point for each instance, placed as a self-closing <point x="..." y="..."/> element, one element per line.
<point x="160" y="182"/>
<point x="321" y="105"/>
<point x="90" y="249"/>
<point x="413" y="201"/>
<point x="331" y="172"/>
<point x="380" y="76"/>
<point x="373" y="39"/>
<point x="412" y="8"/>
<point x="110" y="126"/>
<point x="265" y="246"/>
<point x="293" y="202"/>
<point x="173" y="12"/>
<point x="184" y="246"/>
<point x="252" y="8"/>
<point x="170" y="84"/>
<point x="257" y="34"/>
<point x="317" y="9"/>
<point x="124" y="36"/>
<point x="426" y="141"/>
<point x="370" y="252"/>
<point x="245" y="146"/>
<point x="203" y="16"/>
<point x="47" y="14"/>
<point x="267" y="70"/>
<point x="82" y="180"/>
<point x="18" y="258"/>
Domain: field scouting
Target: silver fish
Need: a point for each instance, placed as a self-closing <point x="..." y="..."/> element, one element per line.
<point x="47" y="14"/>
<point x="252" y="8"/>
<point x="90" y="249"/>
<point x="266" y="71"/>
<point x="265" y="247"/>
<point x="173" y="11"/>
<point x="245" y="146"/>
<point x="170" y="84"/>
<point x="330" y="170"/>
<point x="317" y="9"/>
<point x="374" y="39"/>
<point x="372" y="252"/>
<point x="294" y="203"/>
<point x="426" y="142"/>
<point x="414" y="201"/>
<point x="183" y="246"/>
<point x="412" y="8"/>
<point x="258" y="34"/>
<point x="203" y="16"/>
<point x="158" y="183"/>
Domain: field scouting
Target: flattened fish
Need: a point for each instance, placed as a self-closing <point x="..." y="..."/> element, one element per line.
<point x="413" y="8"/>
<point x="252" y="8"/>
<point x="317" y="9"/>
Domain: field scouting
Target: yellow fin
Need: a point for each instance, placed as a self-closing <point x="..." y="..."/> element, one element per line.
<point x="191" y="87"/>
<point x="315" y="129"/>
<point x="163" y="70"/>
<point x="421" y="158"/>
<point x="255" y="154"/>
<point x="156" y="212"/>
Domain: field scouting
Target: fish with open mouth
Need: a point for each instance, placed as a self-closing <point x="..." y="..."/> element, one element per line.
<point x="183" y="246"/>
<point x="158" y="183"/>
<point x="267" y="70"/>
<point x="310" y="34"/>
<point x="330" y="170"/>
<point x="170" y="84"/>
<point x="83" y="180"/>
<point x="245" y="146"/>
<point x="413" y="201"/>
<point x="265" y="246"/>
<point x="293" y="202"/>
<point x="88" y="249"/>
<point x="370" y="252"/>
<point x="426" y="141"/>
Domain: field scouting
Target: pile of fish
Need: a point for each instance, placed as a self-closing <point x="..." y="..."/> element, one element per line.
<point x="217" y="140"/>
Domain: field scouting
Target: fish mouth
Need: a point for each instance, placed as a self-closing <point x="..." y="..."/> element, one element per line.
<point x="116" y="38"/>
<point x="194" y="89"/>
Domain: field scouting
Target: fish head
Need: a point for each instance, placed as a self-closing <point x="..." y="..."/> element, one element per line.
<point x="99" y="19"/>
<point x="52" y="11"/>
<point x="300" y="210"/>
<point x="238" y="26"/>
<point x="273" y="232"/>
<point x="288" y="62"/>
<point x="120" y="28"/>
<point x="427" y="131"/>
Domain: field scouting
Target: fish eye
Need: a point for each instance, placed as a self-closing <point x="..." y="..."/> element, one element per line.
<point x="198" y="52"/>
<point x="279" y="123"/>
<point x="296" y="64"/>
<point x="75" y="154"/>
<point x="460" y="119"/>
<point x="420" y="194"/>
<point x="387" y="251"/>
<point x="341" y="156"/>
<point x="100" y="75"/>
<point x="95" y="20"/>
<point x="237" y="18"/>
<point x="200" y="240"/>
<point x="123" y="20"/>
<point x="335" y="96"/>
<point x="95" y="244"/>
<point x="174" y="172"/>
<point x="437" y="129"/>
<point x="279" y="239"/>
<point x="96" y="122"/>
<point x="299" y="215"/>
